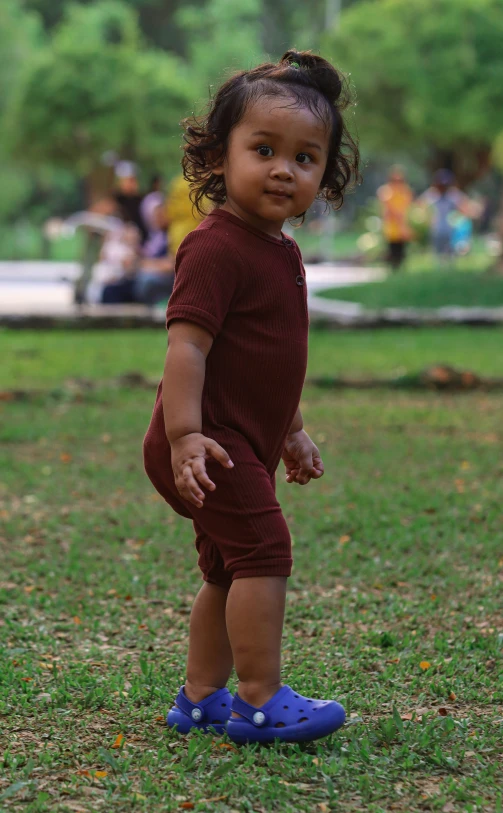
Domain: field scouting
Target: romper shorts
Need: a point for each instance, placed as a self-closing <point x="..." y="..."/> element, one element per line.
<point x="240" y="530"/>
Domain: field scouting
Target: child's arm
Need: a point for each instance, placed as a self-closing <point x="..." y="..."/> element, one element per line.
<point x="182" y="388"/>
<point x="300" y="455"/>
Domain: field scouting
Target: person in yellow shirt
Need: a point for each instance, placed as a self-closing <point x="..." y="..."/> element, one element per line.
<point x="181" y="218"/>
<point x="396" y="199"/>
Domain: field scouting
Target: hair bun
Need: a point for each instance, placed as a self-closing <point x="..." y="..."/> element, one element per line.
<point x="319" y="73"/>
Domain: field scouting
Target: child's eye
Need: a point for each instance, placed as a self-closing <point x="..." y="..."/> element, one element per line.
<point x="265" y="151"/>
<point x="303" y="158"/>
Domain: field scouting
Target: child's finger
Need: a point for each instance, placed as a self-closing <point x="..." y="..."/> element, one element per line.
<point x="216" y="451"/>
<point x="201" y="475"/>
<point x="190" y="489"/>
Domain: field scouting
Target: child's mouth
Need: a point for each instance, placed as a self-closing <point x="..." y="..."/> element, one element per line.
<point x="277" y="193"/>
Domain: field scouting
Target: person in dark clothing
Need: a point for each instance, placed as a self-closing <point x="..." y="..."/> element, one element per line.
<point x="128" y="197"/>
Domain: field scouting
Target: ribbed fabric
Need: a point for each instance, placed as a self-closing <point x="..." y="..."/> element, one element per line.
<point x="248" y="290"/>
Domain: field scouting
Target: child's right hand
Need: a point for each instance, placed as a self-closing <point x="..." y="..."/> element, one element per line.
<point x="188" y="456"/>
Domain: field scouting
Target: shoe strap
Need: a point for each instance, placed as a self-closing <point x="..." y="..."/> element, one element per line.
<point x="256" y="716"/>
<point x="183" y="702"/>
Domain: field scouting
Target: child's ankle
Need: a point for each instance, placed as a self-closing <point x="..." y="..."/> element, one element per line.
<point x="195" y="692"/>
<point x="256" y="694"/>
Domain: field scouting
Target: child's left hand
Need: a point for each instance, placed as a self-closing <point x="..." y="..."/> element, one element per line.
<point x="302" y="459"/>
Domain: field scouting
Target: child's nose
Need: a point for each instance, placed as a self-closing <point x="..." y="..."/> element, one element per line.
<point x="282" y="170"/>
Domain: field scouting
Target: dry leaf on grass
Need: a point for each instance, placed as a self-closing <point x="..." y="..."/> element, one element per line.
<point x="424" y="665"/>
<point x="118" y="741"/>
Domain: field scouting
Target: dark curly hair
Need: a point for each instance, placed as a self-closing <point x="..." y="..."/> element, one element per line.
<point x="311" y="82"/>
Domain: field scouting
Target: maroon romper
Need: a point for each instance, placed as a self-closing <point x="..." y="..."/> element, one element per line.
<point x="248" y="290"/>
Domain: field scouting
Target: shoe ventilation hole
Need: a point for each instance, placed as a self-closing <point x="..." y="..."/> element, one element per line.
<point x="285" y="707"/>
<point x="217" y="721"/>
<point x="302" y="720"/>
<point x="309" y="701"/>
<point x="301" y="711"/>
<point x="279" y="725"/>
<point x="296" y="696"/>
<point x="224" y="705"/>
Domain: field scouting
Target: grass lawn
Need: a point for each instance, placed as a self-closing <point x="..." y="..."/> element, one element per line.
<point x="433" y="289"/>
<point x="394" y="606"/>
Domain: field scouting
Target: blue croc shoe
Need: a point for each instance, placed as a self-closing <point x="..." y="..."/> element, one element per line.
<point x="210" y="714"/>
<point x="287" y="716"/>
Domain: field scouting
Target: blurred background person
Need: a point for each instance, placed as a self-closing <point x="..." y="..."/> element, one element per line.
<point x="395" y="199"/>
<point x="181" y="216"/>
<point x="446" y="202"/>
<point x="155" y="276"/>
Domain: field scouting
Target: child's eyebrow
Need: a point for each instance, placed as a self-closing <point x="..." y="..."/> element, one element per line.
<point x="312" y="144"/>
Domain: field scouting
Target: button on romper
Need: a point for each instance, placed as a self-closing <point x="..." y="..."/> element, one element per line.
<point x="248" y="290"/>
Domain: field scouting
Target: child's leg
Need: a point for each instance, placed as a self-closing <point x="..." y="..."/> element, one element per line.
<point x="210" y="657"/>
<point x="255" y="613"/>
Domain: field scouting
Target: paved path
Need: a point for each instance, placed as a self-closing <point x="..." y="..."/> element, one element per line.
<point x="45" y="288"/>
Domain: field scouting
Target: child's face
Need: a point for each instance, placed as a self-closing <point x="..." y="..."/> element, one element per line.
<point x="275" y="162"/>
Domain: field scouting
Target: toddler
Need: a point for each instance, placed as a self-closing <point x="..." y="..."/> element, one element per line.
<point x="227" y="409"/>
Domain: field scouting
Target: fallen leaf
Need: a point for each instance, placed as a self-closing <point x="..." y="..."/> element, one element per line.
<point x="26" y="680"/>
<point x="142" y="626"/>
<point x="139" y="797"/>
<point x="76" y="620"/>
<point x="433" y="597"/>
<point x="65" y="458"/>
<point x="29" y="588"/>
<point x="100" y="774"/>
<point x="449" y="807"/>
<point x="344" y="539"/>
<point x="443" y="711"/>
<point x="118" y="741"/>
<point x="424" y="665"/>
<point x="393" y="660"/>
<point x="187" y="805"/>
<point x="226" y="747"/>
<point x="323" y="808"/>
<point x="316" y="761"/>
<point x="159" y="719"/>
<point x="452" y="696"/>
<point x="83" y="772"/>
<point x="465" y="465"/>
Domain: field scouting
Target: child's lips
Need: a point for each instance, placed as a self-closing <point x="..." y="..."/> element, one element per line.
<point x="278" y="193"/>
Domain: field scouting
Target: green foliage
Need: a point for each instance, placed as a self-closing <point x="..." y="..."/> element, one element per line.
<point x="20" y="35"/>
<point x="223" y="37"/>
<point x="427" y="72"/>
<point x="97" y="88"/>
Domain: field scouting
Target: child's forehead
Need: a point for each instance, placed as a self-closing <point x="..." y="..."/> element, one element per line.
<point x="276" y="114"/>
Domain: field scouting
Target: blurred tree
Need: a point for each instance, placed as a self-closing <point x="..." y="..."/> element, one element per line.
<point x="213" y="52"/>
<point x="97" y="88"/>
<point x="283" y="22"/>
<point x="20" y="35"/>
<point x="429" y="77"/>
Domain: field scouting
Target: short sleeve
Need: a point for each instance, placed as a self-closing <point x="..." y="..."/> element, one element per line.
<point x="208" y="273"/>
